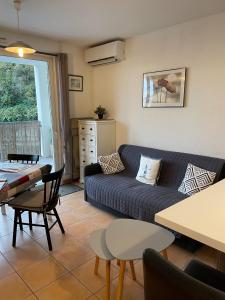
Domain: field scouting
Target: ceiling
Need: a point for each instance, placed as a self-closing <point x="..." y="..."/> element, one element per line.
<point x="92" y="21"/>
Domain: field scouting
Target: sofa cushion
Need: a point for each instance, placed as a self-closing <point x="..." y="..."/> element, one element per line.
<point x="148" y="170"/>
<point x="174" y="163"/>
<point x="129" y="196"/>
<point x="195" y="180"/>
<point x="111" y="164"/>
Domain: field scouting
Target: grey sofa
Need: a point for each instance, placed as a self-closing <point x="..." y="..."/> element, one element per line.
<point x="123" y="193"/>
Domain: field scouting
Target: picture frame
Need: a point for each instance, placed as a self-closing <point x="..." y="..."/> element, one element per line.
<point x="76" y="83"/>
<point x="164" y="88"/>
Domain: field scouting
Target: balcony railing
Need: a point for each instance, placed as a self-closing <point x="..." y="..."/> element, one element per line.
<point x="20" y="137"/>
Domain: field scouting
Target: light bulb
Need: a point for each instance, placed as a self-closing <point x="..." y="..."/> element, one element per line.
<point x="20" y="52"/>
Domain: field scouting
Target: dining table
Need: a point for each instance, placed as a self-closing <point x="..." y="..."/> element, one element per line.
<point x="16" y="178"/>
<point x="200" y="217"/>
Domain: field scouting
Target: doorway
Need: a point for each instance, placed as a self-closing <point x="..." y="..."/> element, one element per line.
<point x="25" y="109"/>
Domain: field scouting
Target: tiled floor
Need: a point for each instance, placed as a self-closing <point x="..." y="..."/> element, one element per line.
<point x="31" y="272"/>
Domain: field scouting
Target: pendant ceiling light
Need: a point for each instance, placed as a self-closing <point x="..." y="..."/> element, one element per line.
<point x="19" y="47"/>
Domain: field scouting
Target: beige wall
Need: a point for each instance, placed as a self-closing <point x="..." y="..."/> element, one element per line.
<point x="80" y="102"/>
<point x="199" y="127"/>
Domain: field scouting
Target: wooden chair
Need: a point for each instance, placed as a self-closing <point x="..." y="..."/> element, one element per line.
<point x="43" y="202"/>
<point x="163" y="280"/>
<point x="24" y="158"/>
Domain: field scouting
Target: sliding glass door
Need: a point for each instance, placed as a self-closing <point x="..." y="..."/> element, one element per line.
<point x="29" y="121"/>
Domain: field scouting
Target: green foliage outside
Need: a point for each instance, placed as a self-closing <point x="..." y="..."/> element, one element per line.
<point x="17" y="93"/>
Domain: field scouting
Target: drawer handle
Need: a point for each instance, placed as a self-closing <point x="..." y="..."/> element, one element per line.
<point x="92" y="151"/>
<point x="91" y="140"/>
<point x="91" y="129"/>
<point x="83" y="128"/>
<point x="83" y="139"/>
<point x="83" y="149"/>
<point x="83" y="161"/>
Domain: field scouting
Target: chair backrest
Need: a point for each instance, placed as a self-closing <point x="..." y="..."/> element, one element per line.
<point x="24" y="158"/>
<point x="51" y="188"/>
<point x="162" y="280"/>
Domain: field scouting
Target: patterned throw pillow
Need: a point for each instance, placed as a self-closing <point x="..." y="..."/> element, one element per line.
<point x="148" y="170"/>
<point x="195" y="180"/>
<point x="111" y="164"/>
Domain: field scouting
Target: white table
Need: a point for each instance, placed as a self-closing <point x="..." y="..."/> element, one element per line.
<point x="127" y="239"/>
<point x="200" y="217"/>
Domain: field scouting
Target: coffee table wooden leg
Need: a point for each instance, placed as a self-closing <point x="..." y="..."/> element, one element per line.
<point x="164" y="253"/>
<point x="121" y="279"/>
<point x="118" y="262"/>
<point x="96" y="265"/>
<point x="107" y="290"/>
<point x="132" y="270"/>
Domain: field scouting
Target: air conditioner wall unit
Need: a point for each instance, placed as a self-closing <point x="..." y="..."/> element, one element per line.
<point x="105" y="54"/>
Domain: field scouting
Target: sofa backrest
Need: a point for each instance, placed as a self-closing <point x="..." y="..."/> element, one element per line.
<point x="173" y="166"/>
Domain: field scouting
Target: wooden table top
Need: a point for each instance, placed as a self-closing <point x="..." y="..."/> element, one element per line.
<point x="200" y="217"/>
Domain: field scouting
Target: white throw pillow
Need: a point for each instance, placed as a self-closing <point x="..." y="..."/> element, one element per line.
<point x="195" y="180"/>
<point x="111" y="164"/>
<point x="148" y="170"/>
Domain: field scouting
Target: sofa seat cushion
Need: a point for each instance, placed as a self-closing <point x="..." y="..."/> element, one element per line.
<point x="129" y="196"/>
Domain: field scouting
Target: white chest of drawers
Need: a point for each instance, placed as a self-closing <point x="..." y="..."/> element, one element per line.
<point x="96" y="137"/>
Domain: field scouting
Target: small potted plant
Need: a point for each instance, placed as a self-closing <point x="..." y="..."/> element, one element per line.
<point x="100" y="111"/>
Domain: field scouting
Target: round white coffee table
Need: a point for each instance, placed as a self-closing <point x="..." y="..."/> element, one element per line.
<point x="127" y="239"/>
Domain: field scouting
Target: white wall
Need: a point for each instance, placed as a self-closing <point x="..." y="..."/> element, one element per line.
<point x="199" y="127"/>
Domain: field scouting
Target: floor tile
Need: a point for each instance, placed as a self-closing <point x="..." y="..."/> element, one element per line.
<point x="32" y="297"/>
<point x="42" y="273"/>
<point x="138" y="267"/>
<point x="180" y="257"/>
<point x="5" y="268"/>
<point x="85" y="273"/>
<point x="48" y="272"/>
<point x="102" y="219"/>
<point x="86" y="211"/>
<point x="13" y="288"/>
<point x="93" y="297"/>
<point x="6" y="227"/>
<point x="63" y="208"/>
<point x="6" y="241"/>
<point x="21" y="257"/>
<point x="65" y="288"/>
<point x="207" y="255"/>
<point x="69" y="218"/>
<point x="131" y="290"/>
<point x="36" y="218"/>
<point x="75" y="200"/>
<point x="58" y="240"/>
<point x="38" y="232"/>
<point x="82" y="229"/>
<point x="72" y="254"/>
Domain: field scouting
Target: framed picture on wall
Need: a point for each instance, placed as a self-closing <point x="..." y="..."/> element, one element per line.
<point x="164" y="88"/>
<point x="76" y="83"/>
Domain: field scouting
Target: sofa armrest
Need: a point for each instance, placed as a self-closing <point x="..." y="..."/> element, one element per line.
<point x="92" y="169"/>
